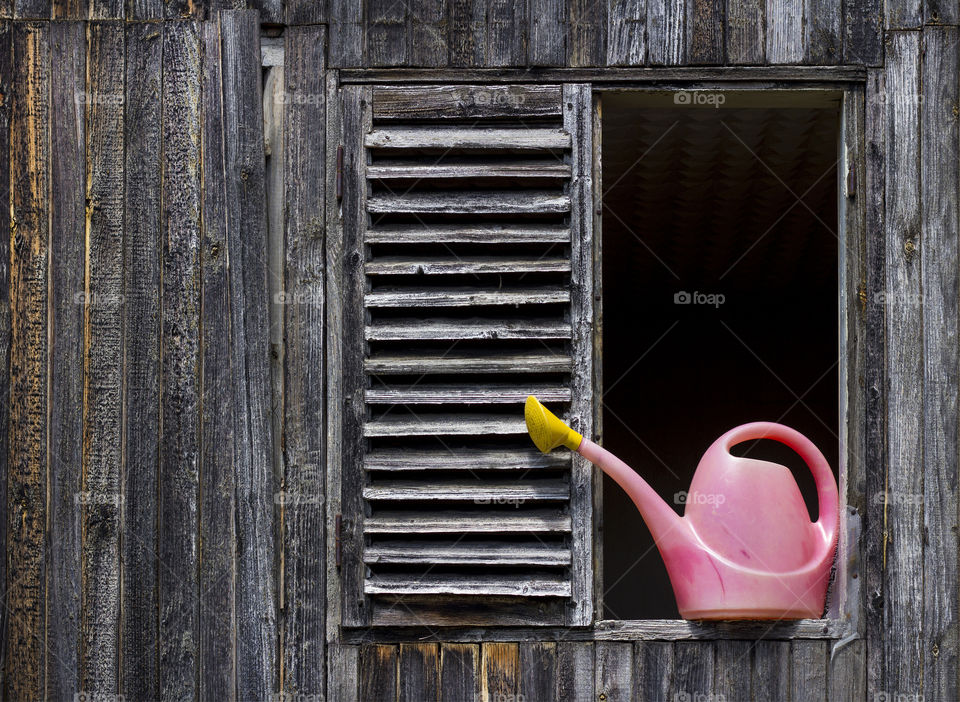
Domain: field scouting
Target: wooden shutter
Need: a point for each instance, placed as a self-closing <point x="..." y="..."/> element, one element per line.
<point x="467" y="285"/>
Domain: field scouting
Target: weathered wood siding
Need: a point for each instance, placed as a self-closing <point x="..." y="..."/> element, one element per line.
<point x="153" y="546"/>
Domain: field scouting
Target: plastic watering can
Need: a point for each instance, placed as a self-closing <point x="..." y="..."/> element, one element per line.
<point x="745" y="547"/>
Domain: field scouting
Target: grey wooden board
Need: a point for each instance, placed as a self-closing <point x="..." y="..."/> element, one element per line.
<point x="784" y="31"/>
<point x="614" y="670"/>
<point x="745" y="32"/>
<point x="626" y="33"/>
<point x="538" y="670"/>
<point x="575" y="672"/>
<point x="808" y="674"/>
<point x="653" y="670"/>
<point x="666" y="38"/>
<point x="459" y="667"/>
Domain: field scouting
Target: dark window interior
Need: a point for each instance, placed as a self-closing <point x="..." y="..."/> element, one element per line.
<point x="740" y="201"/>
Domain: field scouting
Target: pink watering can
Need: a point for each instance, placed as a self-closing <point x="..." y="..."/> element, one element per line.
<point x="745" y="547"/>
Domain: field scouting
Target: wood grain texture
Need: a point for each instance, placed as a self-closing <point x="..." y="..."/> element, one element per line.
<point x="653" y="670"/>
<point x="847" y="675"/>
<point x="141" y="362"/>
<point x="903" y="508"/>
<point x="467" y="33"/>
<point x="346" y="33"/>
<point x="445" y="103"/>
<point x="771" y="670"/>
<point x="428" y="32"/>
<point x="666" y="37"/>
<point x="538" y="670"/>
<point x="343" y="672"/>
<point x="305" y="12"/>
<point x="103" y="9"/>
<point x="808" y="675"/>
<point x="499" y="671"/>
<point x="505" y="33"/>
<point x="705" y="28"/>
<point x="784" y="31"/>
<point x="26" y="479"/>
<point x="387" y="33"/>
<point x="822" y="32"/>
<point x="732" y="670"/>
<point x="614" y="670"/>
<point x="903" y="14"/>
<point x="139" y="10"/>
<point x="303" y="406"/>
<point x="418" y="672"/>
<point x="178" y="547"/>
<point x="575" y="672"/>
<point x="745" y="31"/>
<point x="459" y="679"/>
<point x="548" y="36"/>
<point x="6" y="79"/>
<point x="32" y="9"/>
<point x="218" y="625"/>
<point x="626" y="33"/>
<point x="939" y="12"/>
<point x="257" y="669"/>
<point x="863" y="32"/>
<point x="939" y="186"/>
<point x="693" y="670"/>
<point x="378" y="673"/>
<point x="103" y="303"/>
<point x="587" y="36"/>
<point x="70" y="9"/>
<point x="67" y="254"/>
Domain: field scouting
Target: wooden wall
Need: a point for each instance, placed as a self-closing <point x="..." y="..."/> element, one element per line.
<point x="147" y="552"/>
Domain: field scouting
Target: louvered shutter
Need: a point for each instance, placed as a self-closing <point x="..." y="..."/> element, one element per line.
<point x="467" y="262"/>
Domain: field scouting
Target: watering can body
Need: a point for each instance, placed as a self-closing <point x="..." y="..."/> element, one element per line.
<point x="745" y="547"/>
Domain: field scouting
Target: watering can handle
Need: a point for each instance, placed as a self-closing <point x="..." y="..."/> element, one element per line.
<point x="827" y="495"/>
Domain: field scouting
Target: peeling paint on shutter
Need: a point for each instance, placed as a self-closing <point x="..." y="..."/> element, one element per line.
<point x="471" y="290"/>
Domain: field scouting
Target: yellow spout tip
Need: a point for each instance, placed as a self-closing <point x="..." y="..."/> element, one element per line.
<point x="546" y="430"/>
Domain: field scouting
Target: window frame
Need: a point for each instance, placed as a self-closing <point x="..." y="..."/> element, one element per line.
<point x="844" y="620"/>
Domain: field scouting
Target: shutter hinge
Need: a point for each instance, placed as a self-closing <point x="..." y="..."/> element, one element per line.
<point x="339" y="172"/>
<point x="338" y="539"/>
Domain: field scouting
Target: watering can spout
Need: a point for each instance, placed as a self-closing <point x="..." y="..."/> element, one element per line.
<point x="549" y="432"/>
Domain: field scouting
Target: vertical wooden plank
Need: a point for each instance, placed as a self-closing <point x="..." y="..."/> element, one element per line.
<point x="70" y="9"/>
<point x="771" y="670"/>
<point x="939" y="185"/>
<point x="305" y="12"/>
<point x="666" y="40"/>
<point x="706" y="20"/>
<point x="745" y="32"/>
<point x="822" y="37"/>
<point x="875" y="450"/>
<point x="506" y="26"/>
<point x="732" y="670"/>
<point x="271" y="11"/>
<point x="863" y="32"/>
<point x="26" y="482"/>
<point x="693" y="670"/>
<point x="32" y="9"/>
<point x="346" y="33"/>
<point x="499" y="664"/>
<point x="105" y="9"/>
<point x="180" y="361"/>
<point x="941" y="12"/>
<point x="575" y="671"/>
<point x="904" y="557"/>
<point x="626" y="33"/>
<point x="67" y="224"/>
<point x="387" y="33"/>
<point x="614" y="671"/>
<point x="785" y="31"/>
<point x="141" y="362"/>
<point x="808" y="676"/>
<point x="458" y="672"/>
<point x="139" y="10"/>
<point x="100" y="496"/>
<point x="250" y="354"/>
<point x="587" y="43"/>
<point x="578" y="121"/>
<point x="343" y="665"/>
<point x="218" y="623"/>
<point x="653" y="666"/>
<point x="378" y="673"/>
<point x="428" y="33"/>
<point x="903" y="14"/>
<point x="848" y="672"/>
<point x="548" y="41"/>
<point x="303" y="414"/>
<point x="538" y="670"/>
<point x="467" y="33"/>
<point x="7" y="91"/>
<point x="418" y="675"/>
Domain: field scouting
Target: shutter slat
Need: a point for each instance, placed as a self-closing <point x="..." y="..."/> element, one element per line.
<point x="467" y="459"/>
<point x="466" y="297"/>
<point x="460" y="102"/>
<point x="467" y="138"/>
<point x="423" y="393"/>
<point x="406" y="330"/>
<point x="389" y="584"/>
<point x="447" y="522"/>
<point x="468" y="234"/>
<point x="527" y="169"/>
<point x="513" y="492"/>
<point x="446" y="425"/>
<point x="470" y="202"/>
<point x="524" y="362"/>
<point x="409" y="265"/>
<point x="468" y="553"/>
